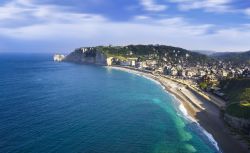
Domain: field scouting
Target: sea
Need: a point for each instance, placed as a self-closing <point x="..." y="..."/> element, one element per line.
<point x="51" y="107"/>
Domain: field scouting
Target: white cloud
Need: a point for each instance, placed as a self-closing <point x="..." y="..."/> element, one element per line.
<point x="207" y="5"/>
<point x="60" y="28"/>
<point x="150" y="5"/>
<point x="247" y="11"/>
<point x="28" y="10"/>
<point x="141" y="17"/>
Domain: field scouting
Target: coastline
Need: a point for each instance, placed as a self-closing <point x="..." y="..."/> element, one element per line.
<point x="205" y="114"/>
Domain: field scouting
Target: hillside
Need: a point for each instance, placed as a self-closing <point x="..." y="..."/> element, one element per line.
<point x="238" y="93"/>
<point x="233" y="57"/>
<point x="163" y="54"/>
<point x="205" y="52"/>
<point x="88" y="56"/>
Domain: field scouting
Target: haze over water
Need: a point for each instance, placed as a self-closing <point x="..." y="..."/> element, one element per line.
<point x="63" y="107"/>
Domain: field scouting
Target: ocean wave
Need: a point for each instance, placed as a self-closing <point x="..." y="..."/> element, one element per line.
<point x="183" y="111"/>
<point x="184" y="114"/>
<point x="210" y="137"/>
<point x="207" y="134"/>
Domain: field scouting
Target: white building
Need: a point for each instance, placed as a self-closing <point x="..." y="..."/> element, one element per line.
<point x="125" y="63"/>
<point x="201" y="73"/>
<point x="83" y="49"/>
<point x="132" y="61"/>
<point x="142" y="65"/>
<point x="174" y="71"/>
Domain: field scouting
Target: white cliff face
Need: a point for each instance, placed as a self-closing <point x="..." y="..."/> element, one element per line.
<point x="109" y="61"/>
<point x="87" y="57"/>
<point x="58" y="57"/>
<point x="100" y="59"/>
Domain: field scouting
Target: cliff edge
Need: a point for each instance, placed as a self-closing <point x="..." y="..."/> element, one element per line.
<point x="88" y="55"/>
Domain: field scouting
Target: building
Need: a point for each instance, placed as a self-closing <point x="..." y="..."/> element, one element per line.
<point x="174" y="71"/>
<point x="201" y="73"/>
<point x="246" y="73"/>
<point x="151" y="63"/>
<point x="125" y="63"/>
<point x="167" y="70"/>
<point x="141" y="65"/>
<point x="190" y="73"/>
<point x="132" y="61"/>
<point x="159" y="70"/>
<point x="222" y="73"/>
<point x="231" y="74"/>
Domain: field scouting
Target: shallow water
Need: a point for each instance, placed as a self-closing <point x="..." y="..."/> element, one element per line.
<point x="64" y="107"/>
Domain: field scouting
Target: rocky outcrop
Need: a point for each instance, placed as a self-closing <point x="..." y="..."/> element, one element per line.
<point x="87" y="56"/>
<point x="58" y="57"/>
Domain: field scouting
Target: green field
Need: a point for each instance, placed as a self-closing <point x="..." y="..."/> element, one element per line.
<point x="238" y="94"/>
<point x="239" y="110"/>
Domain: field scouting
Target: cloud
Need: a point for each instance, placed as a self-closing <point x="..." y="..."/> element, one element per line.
<point x="207" y="5"/>
<point x="58" y="28"/>
<point x="141" y="17"/>
<point x="247" y="11"/>
<point x="150" y="5"/>
<point x="27" y="10"/>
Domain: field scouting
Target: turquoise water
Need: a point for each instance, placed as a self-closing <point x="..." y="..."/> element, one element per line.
<point x="68" y="108"/>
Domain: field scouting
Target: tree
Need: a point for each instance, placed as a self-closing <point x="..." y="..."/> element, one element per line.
<point x="203" y="85"/>
<point x="245" y="96"/>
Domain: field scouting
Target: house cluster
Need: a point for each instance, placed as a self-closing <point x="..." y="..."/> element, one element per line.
<point x="84" y="49"/>
<point x="211" y="73"/>
<point x="125" y="62"/>
<point x="200" y="74"/>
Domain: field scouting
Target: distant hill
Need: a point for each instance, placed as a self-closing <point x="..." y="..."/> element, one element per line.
<point x="162" y="53"/>
<point x="172" y="54"/>
<point x="234" y="57"/>
<point x="205" y="52"/>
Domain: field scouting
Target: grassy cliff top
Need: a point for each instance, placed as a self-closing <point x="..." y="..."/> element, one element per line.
<point x="157" y="52"/>
<point x="238" y="93"/>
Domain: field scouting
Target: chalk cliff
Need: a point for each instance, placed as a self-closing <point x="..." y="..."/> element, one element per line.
<point x="87" y="56"/>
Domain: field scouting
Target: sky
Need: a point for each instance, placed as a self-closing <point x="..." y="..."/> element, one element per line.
<point x="62" y="25"/>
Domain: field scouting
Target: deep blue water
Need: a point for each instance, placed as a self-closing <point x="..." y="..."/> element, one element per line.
<point x="48" y="107"/>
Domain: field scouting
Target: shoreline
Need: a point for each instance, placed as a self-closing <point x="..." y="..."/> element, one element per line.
<point x="200" y="110"/>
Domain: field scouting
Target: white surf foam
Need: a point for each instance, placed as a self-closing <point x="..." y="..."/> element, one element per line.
<point x="185" y="115"/>
<point x="208" y="135"/>
<point x="181" y="107"/>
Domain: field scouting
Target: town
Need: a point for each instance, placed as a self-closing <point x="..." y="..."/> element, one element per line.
<point x="223" y="83"/>
<point x="207" y="77"/>
<point x="197" y="70"/>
